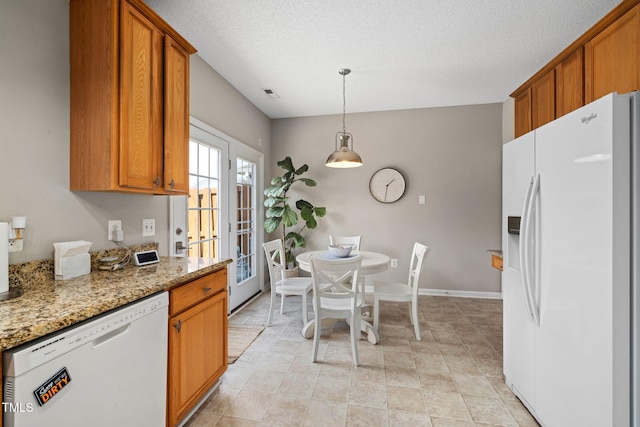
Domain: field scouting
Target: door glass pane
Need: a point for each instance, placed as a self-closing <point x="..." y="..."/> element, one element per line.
<point x="203" y="209"/>
<point x="246" y="219"/>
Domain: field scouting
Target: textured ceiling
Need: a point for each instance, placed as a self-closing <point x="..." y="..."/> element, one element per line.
<point x="402" y="53"/>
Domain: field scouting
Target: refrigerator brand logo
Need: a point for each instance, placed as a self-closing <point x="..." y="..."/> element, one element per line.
<point x="587" y="119"/>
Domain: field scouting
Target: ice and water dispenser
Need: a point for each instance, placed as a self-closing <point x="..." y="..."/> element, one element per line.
<point x="513" y="242"/>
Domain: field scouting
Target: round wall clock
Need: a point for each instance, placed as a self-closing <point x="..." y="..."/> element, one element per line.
<point x="387" y="185"/>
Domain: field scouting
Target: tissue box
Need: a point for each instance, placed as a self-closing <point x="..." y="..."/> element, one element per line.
<point x="74" y="266"/>
<point x="72" y="259"/>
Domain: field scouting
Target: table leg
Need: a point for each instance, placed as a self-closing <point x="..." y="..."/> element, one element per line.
<point x="307" y="330"/>
<point x="372" y="333"/>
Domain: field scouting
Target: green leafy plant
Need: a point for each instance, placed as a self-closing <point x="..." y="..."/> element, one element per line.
<point x="280" y="213"/>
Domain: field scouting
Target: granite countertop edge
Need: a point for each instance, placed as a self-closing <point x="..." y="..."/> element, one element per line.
<point x="51" y="305"/>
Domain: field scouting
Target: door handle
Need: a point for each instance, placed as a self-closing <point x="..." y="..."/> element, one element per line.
<point x="180" y="246"/>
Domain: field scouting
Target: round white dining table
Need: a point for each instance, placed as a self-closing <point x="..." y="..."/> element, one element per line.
<point x="372" y="263"/>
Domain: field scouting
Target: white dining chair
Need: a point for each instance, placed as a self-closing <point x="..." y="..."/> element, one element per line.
<point x="281" y="285"/>
<point x="403" y="292"/>
<point x="349" y="240"/>
<point x="346" y="240"/>
<point x="336" y="296"/>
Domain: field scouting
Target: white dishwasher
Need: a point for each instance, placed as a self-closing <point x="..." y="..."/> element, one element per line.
<point x="110" y="370"/>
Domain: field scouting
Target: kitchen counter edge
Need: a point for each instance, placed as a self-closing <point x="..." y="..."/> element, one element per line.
<point x="52" y="305"/>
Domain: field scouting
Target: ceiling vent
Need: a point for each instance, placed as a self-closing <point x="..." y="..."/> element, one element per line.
<point x="271" y="94"/>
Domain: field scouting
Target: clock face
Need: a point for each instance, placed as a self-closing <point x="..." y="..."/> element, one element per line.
<point x="387" y="185"/>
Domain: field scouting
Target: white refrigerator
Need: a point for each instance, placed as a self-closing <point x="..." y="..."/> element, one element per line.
<point x="570" y="258"/>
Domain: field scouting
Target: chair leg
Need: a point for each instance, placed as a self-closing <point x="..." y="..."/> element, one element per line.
<point x="273" y="300"/>
<point x="355" y="332"/>
<point x="282" y="303"/>
<point x="304" y="308"/>
<point x="416" y="321"/>
<point x="411" y="313"/>
<point x="317" y="329"/>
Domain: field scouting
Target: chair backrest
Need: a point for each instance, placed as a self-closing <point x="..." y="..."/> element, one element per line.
<point x="346" y="240"/>
<point x="418" y="256"/>
<point x="274" y="250"/>
<point x="335" y="278"/>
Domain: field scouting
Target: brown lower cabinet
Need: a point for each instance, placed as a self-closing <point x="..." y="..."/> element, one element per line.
<point x="197" y="342"/>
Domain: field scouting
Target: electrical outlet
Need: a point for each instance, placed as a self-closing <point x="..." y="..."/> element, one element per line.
<point x="149" y="227"/>
<point x="15" y="245"/>
<point x="113" y="225"/>
<point x="394" y="263"/>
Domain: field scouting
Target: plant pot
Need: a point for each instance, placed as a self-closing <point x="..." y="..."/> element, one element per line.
<point x="289" y="273"/>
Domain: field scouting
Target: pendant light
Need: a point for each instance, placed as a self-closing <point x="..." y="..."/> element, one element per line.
<point x="344" y="156"/>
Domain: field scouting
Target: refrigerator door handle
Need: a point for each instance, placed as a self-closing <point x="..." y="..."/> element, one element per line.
<point x="529" y="261"/>
<point x="524" y="252"/>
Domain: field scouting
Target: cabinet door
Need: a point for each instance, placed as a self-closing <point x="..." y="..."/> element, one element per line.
<point x="197" y="353"/>
<point x="522" y="106"/>
<point x="141" y="101"/>
<point x="612" y="58"/>
<point x="570" y="83"/>
<point x="543" y="100"/>
<point x="176" y="117"/>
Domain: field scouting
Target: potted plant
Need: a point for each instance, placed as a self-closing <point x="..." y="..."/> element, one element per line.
<point x="280" y="213"/>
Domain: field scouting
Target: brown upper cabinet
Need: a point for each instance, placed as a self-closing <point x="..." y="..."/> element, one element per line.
<point x="522" y="106"/>
<point x="604" y="59"/>
<point x="570" y="83"/>
<point x="129" y="99"/>
<point x="543" y="99"/>
<point x="611" y="58"/>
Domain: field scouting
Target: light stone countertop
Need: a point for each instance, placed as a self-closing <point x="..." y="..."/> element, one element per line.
<point x="50" y="305"/>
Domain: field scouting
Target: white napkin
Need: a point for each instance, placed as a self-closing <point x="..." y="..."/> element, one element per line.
<point x="72" y="259"/>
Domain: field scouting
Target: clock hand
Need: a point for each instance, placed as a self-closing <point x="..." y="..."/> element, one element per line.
<point x="385" y="192"/>
<point x="391" y="182"/>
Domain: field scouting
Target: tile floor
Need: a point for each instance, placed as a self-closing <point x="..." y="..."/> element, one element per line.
<point x="453" y="377"/>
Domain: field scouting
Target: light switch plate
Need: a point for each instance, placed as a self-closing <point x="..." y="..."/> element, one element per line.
<point x="149" y="227"/>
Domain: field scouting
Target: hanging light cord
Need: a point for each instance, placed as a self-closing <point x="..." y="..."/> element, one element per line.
<point x="344" y="102"/>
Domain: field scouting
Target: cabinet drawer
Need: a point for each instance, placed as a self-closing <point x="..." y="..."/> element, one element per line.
<point x="200" y="289"/>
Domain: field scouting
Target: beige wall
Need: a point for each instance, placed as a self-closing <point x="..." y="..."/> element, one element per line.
<point x="218" y="104"/>
<point x="34" y="136"/>
<point x="451" y="155"/>
<point x="508" y="120"/>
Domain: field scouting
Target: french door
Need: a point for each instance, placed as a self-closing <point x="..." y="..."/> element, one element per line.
<point x="247" y="229"/>
<point x="222" y="216"/>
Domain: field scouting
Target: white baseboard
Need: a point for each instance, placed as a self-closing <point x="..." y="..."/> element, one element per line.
<point x="447" y="293"/>
<point x="460" y="294"/>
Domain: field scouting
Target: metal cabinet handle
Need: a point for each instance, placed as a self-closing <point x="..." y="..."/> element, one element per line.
<point x="206" y="289"/>
<point x="178" y="325"/>
<point x="172" y="184"/>
<point x="157" y="181"/>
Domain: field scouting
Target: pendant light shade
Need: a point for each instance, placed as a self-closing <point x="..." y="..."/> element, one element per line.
<point x="344" y="156"/>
